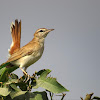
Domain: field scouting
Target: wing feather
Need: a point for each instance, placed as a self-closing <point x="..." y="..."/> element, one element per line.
<point x="26" y="50"/>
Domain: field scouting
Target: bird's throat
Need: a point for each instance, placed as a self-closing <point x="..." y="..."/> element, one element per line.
<point x="39" y="40"/>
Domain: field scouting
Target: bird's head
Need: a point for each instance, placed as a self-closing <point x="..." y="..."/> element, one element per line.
<point x="42" y="32"/>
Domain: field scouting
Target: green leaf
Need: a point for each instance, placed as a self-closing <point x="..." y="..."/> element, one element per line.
<point x="49" y="83"/>
<point x="15" y="87"/>
<point x="36" y="96"/>
<point x="4" y="91"/>
<point x="10" y="81"/>
<point x="14" y="94"/>
<point x="13" y="76"/>
<point x="40" y="95"/>
<point x="44" y="73"/>
<point x="3" y="65"/>
<point x="2" y="70"/>
<point x="17" y="92"/>
<point x="43" y="70"/>
<point x="5" y="71"/>
<point x="3" y="75"/>
<point x="22" y="86"/>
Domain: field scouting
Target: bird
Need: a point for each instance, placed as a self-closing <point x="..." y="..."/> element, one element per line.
<point x="27" y="55"/>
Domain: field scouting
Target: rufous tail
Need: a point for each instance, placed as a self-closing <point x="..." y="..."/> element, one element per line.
<point x="16" y="36"/>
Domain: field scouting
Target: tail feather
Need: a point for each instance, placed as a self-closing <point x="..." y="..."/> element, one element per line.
<point x="16" y="36"/>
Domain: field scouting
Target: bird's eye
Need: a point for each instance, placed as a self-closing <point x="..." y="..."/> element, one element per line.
<point x="41" y="31"/>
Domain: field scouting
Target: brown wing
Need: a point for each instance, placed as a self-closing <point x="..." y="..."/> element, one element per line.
<point x="26" y="50"/>
<point x="16" y="37"/>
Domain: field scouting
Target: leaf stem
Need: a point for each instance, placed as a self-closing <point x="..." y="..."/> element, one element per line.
<point x="63" y="96"/>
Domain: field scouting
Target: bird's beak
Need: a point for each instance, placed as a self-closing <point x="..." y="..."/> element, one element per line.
<point x="49" y="30"/>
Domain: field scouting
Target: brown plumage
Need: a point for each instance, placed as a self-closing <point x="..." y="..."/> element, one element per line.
<point x="28" y="49"/>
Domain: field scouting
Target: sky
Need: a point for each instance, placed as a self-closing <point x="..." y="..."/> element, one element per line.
<point x="72" y="50"/>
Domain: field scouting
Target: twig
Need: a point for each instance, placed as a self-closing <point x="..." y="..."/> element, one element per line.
<point x="51" y="95"/>
<point x="63" y="96"/>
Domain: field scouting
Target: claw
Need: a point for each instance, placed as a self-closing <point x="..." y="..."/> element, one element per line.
<point x="28" y="78"/>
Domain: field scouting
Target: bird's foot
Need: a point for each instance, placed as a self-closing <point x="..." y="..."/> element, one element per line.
<point x="27" y="78"/>
<point x="25" y="74"/>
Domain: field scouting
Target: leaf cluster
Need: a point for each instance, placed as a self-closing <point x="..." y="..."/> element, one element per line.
<point x="15" y="88"/>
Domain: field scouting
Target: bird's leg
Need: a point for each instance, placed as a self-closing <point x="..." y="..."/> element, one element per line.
<point x="24" y="71"/>
<point x="28" y="76"/>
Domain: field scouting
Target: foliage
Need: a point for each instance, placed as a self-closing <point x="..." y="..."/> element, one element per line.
<point x="89" y="97"/>
<point x="14" y="88"/>
<point x="5" y="71"/>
